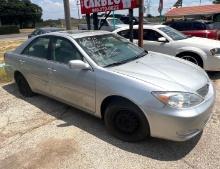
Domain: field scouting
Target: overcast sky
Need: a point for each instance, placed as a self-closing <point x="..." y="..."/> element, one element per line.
<point x="53" y="9"/>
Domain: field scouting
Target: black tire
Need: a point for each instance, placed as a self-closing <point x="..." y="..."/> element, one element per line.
<point x="192" y="58"/>
<point x="126" y="121"/>
<point x="23" y="86"/>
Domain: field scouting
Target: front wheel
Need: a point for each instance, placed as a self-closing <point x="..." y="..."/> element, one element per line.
<point x="193" y="58"/>
<point x="126" y="122"/>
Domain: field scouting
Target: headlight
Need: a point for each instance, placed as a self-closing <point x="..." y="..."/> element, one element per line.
<point x="215" y="51"/>
<point x="178" y="100"/>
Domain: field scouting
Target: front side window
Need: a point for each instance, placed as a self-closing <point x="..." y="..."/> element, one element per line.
<point x="151" y="35"/>
<point x="64" y="51"/>
<point x="199" y="26"/>
<point x="38" y="48"/>
<point x="109" y="49"/>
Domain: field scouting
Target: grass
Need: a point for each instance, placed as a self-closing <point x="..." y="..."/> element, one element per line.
<point x="6" y="45"/>
<point x="3" y="76"/>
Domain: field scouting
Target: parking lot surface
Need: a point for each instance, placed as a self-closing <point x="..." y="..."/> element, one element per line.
<point x="40" y="132"/>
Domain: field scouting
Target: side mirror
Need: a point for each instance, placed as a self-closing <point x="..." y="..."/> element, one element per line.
<point x="162" y="39"/>
<point x="79" y="65"/>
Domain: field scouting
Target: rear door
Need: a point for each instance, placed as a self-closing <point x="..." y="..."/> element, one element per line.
<point x="76" y="87"/>
<point x="34" y="64"/>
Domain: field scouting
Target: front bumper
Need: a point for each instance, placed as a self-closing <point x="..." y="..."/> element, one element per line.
<point x="212" y="63"/>
<point x="180" y="125"/>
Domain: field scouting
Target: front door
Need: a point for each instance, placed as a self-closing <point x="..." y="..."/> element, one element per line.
<point x="151" y="42"/>
<point x="76" y="87"/>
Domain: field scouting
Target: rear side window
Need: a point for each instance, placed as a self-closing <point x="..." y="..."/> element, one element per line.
<point x="199" y="26"/>
<point x="38" y="48"/>
<point x="124" y="33"/>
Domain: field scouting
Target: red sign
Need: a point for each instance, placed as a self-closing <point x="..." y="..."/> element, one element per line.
<point x="92" y="6"/>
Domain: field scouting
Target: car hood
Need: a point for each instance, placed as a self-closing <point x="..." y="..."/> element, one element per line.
<point x="202" y="42"/>
<point x="166" y="72"/>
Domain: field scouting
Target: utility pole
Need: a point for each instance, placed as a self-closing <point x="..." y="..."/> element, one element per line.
<point x="78" y="4"/>
<point x="148" y="6"/>
<point x="131" y="24"/>
<point x="67" y="14"/>
<point x="140" y="27"/>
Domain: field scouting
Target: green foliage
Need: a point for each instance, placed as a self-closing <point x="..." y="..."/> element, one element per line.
<point x="216" y="2"/>
<point x="9" y="29"/>
<point x="19" y="12"/>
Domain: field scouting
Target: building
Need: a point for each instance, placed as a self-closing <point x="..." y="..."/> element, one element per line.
<point x="210" y="12"/>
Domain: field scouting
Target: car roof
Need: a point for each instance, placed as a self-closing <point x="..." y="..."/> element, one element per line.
<point x="49" y="28"/>
<point x="156" y="26"/>
<point x="79" y="33"/>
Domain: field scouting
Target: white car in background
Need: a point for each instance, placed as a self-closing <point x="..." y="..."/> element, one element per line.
<point x="164" y="39"/>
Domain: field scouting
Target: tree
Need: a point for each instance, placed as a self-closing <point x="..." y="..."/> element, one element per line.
<point x="216" y="2"/>
<point x="19" y="12"/>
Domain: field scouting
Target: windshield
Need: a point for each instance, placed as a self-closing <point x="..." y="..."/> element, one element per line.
<point x="117" y="21"/>
<point x="109" y="50"/>
<point x="172" y="33"/>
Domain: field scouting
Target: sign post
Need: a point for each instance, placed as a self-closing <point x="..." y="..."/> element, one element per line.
<point x="140" y="27"/>
<point x="131" y="24"/>
<point x="95" y="6"/>
<point x="160" y="9"/>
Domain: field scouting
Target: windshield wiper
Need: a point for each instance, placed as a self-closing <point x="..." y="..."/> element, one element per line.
<point x="142" y="54"/>
<point x="115" y="64"/>
<point x="128" y="60"/>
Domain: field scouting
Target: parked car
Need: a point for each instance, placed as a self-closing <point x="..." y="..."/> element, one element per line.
<point x="163" y="39"/>
<point x="125" y="20"/>
<point x="40" y="31"/>
<point x="109" y="24"/>
<point x="137" y="94"/>
<point x="215" y="25"/>
<point x="195" y="28"/>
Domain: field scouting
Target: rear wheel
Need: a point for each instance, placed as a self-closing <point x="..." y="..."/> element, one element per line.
<point x="23" y="86"/>
<point x="125" y="121"/>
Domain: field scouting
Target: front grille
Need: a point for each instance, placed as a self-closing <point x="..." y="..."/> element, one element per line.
<point x="204" y="90"/>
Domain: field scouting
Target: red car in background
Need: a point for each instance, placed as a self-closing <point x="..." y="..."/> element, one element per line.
<point x="195" y="28"/>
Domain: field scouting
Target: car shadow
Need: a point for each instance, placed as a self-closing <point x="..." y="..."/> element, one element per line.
<point x="214" y="75"/>
<point x="158" y="149"/>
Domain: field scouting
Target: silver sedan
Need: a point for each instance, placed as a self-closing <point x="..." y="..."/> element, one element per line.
<point x="136" y="93"/>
